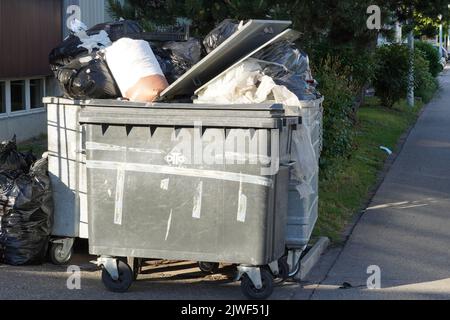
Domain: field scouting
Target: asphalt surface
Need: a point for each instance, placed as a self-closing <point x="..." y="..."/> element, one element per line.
<point x="405" y="232"/>
<point x="406" y="229"/>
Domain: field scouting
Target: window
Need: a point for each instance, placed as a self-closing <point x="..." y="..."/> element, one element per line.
<point x="17" y="95"/>
<point x="36" y="93"/>
<point x="2" y="97"/>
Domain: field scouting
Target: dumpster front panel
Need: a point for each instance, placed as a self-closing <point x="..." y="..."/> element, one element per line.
<point x="149" y="197"/>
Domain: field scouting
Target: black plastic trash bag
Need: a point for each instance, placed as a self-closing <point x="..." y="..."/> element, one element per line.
<point x="11" y="159"/>
<point x="288" y="66"/>
<point x="26" y="215"/>
<point x="71" y="49"/>
<point x="176" y="58"/>
<point x="221" y="33"/>
<point x="118" y="29"/>
<point x="88" y="77"/>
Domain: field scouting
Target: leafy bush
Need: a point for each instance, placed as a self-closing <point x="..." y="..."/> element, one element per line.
<point x="431" y="54"/>
<point x="391" y="73"/>
<point x="392" y="70"/>
<point x="425" y="84"/>
<point x="337" y="120"/>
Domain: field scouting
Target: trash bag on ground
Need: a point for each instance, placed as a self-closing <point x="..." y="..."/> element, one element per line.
<point x="88" y="77"/>
<point x="136" y="70"/>
<point x="221" y="33"/>
<point x="26" y="215"/>
<point x="11" y="159"/>
<point x="288" y="66"/>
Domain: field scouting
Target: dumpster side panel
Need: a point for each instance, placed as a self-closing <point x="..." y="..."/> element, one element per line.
<point x="67" y="170"/>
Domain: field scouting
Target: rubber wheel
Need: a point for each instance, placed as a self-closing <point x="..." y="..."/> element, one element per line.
<point x="283" y="270"/>
<point x="125" y="278"/>
<point x="56" y="254"/>
<point x="250" y="291"/>
<point x="208" y="267"/>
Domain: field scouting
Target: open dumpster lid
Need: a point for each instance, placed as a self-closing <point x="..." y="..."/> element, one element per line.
<point x="251" y="36"/>
<point x="286" y="35"/>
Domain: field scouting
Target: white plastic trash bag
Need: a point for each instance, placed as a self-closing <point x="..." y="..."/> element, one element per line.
<point x="135" y="69"/>
<point x="246" y="84"/>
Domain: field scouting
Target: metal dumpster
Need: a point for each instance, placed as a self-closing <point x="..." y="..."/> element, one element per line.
<point x="188" y="182"/>
<point x="303" y="211"/>
<point x="67" y="172"/>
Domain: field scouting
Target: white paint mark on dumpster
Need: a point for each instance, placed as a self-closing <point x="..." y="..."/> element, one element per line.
<point x="120" y="184"/>
<point x="196" y="211"/>
<point x="169" y="223"/>
<point x="111" y="147"/>
<point x="242" y="205"/>
<point x="178" y="171"/>
<point x="165" y="184"/>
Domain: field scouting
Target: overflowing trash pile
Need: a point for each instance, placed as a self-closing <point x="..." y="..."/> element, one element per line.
<point x="26" y="206"/>
<point x="117" y="60"/>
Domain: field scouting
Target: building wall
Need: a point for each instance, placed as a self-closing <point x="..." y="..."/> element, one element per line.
<point x="25" y="126"/>
<point x="92" y="12"/>
<point x="29" y="29"/>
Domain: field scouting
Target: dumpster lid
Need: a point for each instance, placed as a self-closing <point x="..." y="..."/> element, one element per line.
<point x="286" y="35"/>
<point x="235" y="116"/>
<point x="252" y="35"/>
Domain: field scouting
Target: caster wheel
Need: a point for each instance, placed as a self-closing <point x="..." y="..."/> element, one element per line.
<point x="135" y="265"/>
<point x="208" y="267"/>
<point x="283" y="269"/>
<point x="251" y="292"/>
<point x="57" y="256"/>
<point x="125" y="278"/>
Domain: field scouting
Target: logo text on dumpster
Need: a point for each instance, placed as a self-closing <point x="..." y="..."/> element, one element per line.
<point x="235" y="146"/>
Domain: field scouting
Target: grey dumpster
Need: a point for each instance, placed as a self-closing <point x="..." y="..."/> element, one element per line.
<point x="303" y="211"/>
<point x="188" y="182"/>
<point x="68" y="176"/>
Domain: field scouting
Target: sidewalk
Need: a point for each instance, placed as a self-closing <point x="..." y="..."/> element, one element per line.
<point x="406" y="229"/>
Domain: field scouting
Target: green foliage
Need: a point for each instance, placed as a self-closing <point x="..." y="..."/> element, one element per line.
<point x="391" y="73"/>
<point x="425" y="84"/>
<point x="392" y="70"/>
<point x="432" y="55"/>
<point x="338" y="109"/>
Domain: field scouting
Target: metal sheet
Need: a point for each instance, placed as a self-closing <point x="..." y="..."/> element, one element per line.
<point x="289" y="35"/>
<point x="252" y="35"/>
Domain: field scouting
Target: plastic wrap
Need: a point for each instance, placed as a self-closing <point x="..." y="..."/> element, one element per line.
<point x="246" y="83"/>
<point x="26" y="215"/>
<point x="88" y="77"/>
<point x="221" y="33"/>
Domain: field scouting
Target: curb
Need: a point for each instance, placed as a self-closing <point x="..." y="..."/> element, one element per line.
<point x="312" y="257"/>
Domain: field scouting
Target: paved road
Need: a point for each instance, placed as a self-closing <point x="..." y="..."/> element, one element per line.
<point x="405" y="232"/>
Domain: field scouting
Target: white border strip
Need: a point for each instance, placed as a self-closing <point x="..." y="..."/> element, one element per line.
<point x="197" y="173"/>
